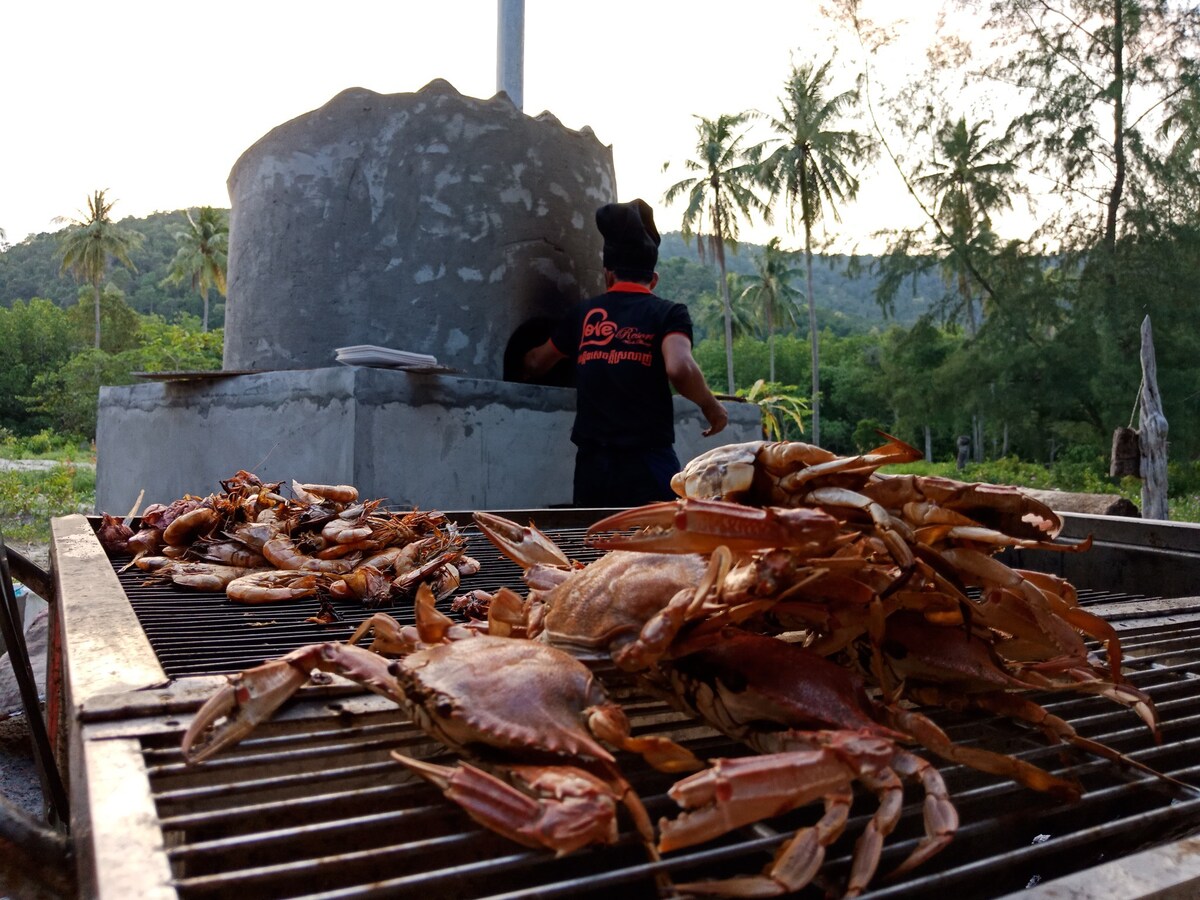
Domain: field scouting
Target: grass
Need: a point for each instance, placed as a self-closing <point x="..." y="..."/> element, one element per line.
<point x="29" y="499"/>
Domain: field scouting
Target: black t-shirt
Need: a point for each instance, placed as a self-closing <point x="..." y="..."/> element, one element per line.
<point x="621" y="378"/>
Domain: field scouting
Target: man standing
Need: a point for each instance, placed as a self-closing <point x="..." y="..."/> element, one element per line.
<point x="630" y="347"/>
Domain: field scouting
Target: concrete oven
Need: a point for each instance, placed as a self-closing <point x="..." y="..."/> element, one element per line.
<point x="429" y="222"/>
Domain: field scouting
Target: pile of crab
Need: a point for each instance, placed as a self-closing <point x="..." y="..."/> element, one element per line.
<point x="260" y="546"/>
<point x="799" y="602"/>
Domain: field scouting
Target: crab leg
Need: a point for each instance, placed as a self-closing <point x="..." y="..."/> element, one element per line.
<point x="253" y="696"/>
<point x="1085" y="681"/>
<point x="1056" y="619"/>
<point x="796" y="862"/>
<point x="561" y="808"/>
<point x="894" y="451"/>
<point x="989" y="537"/>
<point x="941" y="818"/>
<point x="700" y="526"/>
<point x="932" y="738"/>
<point x="1051" y="725"/>
<point x="736" y="792"/>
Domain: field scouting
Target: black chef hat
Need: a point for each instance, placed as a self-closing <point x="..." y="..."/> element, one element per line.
<point x="630" y="238"/>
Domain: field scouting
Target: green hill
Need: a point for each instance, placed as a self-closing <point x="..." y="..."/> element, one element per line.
<point x="843" y="286"/>
<point x="31" y="269"/>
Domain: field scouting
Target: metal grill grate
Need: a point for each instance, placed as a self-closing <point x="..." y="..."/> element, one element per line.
<point x="203" y="633"/>
<point x="311" y="805"/>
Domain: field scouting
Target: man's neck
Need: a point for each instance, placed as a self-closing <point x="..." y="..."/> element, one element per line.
<point x="629" y="287"/>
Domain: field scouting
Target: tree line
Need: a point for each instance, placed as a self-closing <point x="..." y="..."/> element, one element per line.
<point x="55" y="358"/>
<point x="1028" y="345"/>
<point x="1031" y="345"/>
<point x="99" y="301"/>
<point x="33" y="267"/>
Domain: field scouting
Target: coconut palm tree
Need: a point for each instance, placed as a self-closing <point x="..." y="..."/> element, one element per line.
<point x="718" y="195"/>
<point x="811" y="171"/>
<point x="90" y="240"/>
<point x="969" y="179"/>
<point x="771" y="289"/>
<point x="708" y="314"/>
<point x="203" y="253"/>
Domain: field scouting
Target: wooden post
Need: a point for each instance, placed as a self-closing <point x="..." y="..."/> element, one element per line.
<point x="964" y="451"/>
<point x="1126" y="456"/>
<point x="1152" y="428"/>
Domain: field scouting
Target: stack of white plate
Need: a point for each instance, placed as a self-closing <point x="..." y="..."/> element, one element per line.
<point x="370" y="355"/>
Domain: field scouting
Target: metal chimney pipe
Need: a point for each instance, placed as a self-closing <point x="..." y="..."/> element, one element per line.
<point x="510" y="51"/>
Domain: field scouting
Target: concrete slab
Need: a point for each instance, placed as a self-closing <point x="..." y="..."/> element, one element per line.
<point x="427" y="440"/>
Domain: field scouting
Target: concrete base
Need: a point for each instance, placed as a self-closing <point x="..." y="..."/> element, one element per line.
<point x="425" y="440"/>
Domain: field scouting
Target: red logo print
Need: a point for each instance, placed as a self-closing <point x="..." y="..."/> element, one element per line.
<point x="598" y="329"/>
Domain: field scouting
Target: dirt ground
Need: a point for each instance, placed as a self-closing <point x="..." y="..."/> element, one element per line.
<point x="20" y="786"/>
<point x="18" y="772"/>
<point x="35" y="465"/>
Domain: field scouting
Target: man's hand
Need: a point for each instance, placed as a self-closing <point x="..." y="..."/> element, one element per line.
<point x="717" y="415"/>
<point x="540" y="360"/>
<point x="685" y="376"/>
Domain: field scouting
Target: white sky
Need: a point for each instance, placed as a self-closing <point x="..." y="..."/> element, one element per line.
<point x="154" y="100"/>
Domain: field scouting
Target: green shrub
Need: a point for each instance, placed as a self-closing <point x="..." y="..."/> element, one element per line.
<point x="46" y="444"/>
<point x="1184" y="508"/>
<point x="39" y="444"/>
<point x="28" y="500"/>
<point x="1184" y="477"/>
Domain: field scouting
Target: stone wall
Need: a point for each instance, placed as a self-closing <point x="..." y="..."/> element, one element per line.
<point x="429" y="222"/>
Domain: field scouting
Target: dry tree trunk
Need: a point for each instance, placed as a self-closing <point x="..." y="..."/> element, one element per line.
<point x="1152" y="427"/>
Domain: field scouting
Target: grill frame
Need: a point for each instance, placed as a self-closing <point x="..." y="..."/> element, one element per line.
<point x="119" y="701"/>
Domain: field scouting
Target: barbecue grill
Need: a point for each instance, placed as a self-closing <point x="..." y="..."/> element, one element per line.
<point x="311" y="805"/>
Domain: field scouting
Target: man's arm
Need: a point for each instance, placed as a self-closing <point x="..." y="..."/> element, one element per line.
<point x="540" y="360"/>
<point x="685" y="376"/>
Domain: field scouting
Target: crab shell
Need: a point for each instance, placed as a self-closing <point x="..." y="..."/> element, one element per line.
<point x="604" y="606"/>
<point x="454" y="692"/>
<point x="779" y="473"/>
<point x="743" y="680"/>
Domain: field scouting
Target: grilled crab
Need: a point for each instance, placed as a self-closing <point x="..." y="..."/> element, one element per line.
<point x="792" y="473"/>
<point x="633" y="606"/>
<point x="810" y="718"/>
<point x="952" y="668"/>
<point x="532" y="718"/>
<point x="762" y="473"/>
<point x="941" y="535"/>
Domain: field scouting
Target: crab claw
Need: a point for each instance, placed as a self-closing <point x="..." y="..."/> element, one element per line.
<point x="526" y="547"/>
<point x="700" y="526"/>
<point x="234" y="711"/>
<point x="559" y="808"/>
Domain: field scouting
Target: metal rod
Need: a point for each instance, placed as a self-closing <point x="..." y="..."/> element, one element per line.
<point x="54" y="792"/>
<point x="510" y="51"/>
